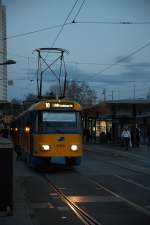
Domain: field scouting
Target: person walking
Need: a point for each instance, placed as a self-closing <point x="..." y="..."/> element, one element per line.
<point x="126" y="137"/>
<point x="137" y="136"/>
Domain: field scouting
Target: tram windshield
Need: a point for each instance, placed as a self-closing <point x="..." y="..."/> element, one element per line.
<point x="58" y="121"/>
<point x="67" y="117"/>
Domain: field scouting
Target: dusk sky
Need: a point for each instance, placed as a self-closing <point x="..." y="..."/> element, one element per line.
<point x="109" y="43"/>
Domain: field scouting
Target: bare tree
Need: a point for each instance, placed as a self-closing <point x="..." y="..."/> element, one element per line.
<point x="16" y="101"/>
<point x="29" y="100"/>
<point x="78" y="91"/>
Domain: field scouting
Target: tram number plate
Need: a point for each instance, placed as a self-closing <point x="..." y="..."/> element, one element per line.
<point x="60" y="146"/>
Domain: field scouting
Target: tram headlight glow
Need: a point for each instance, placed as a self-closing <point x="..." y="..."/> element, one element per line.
<point x="74" y="147"/>
<point x="27" y="129"/>
<point x="46" y="147"/>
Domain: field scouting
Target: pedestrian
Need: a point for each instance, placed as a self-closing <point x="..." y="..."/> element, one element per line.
<point x="137" y="136"/>
<point x="132" y="137"/>
<point x="87" y="134"/>
<point x="18" y="152"/>
<point x="148" y="136"/>
<point x="126" y="136"/>
<point x="4" y="132"/>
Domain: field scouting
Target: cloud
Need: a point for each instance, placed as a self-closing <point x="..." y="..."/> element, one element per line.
<point x="138" y="66"/>
<point x="131" y="74"/>
<point x="134" y="71"/>
<point x="138" y="72"/>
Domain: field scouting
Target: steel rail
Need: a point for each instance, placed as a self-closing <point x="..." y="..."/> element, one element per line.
<point x="80" y="213"/>
<point x="132" y="204"/>
<point x="131" y="181"/>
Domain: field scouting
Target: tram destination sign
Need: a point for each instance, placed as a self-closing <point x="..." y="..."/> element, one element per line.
<point x="56" y="105"/>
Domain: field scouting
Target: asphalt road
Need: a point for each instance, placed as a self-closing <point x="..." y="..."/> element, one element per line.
<point x="109" y="189"/>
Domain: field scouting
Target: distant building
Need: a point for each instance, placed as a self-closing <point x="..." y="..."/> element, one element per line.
<point x="3" y="53"/>
<point x="110" y="117"/>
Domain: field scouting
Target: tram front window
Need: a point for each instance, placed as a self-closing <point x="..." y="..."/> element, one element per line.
<point x="59" y="121"/>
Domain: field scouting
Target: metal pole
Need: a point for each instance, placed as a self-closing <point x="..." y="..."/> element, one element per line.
<point x="134" y="91"/>
<point x="112" y="95"/>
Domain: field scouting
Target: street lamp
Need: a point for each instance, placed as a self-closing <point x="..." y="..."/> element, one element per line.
<point x="8" y="62"/>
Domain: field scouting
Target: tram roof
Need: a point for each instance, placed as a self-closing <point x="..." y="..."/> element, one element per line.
<point x="53" y="104"/>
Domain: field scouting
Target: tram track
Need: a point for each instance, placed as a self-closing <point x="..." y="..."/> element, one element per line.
<point x="130" y="203"/>
<point x="85" y="217"/>
<point x="134" y="205"/>
<point x="129" y="180"/>
<point x="133" y="182"/>
<point x="136" y="169"/>
<point x="83" y="214"/>
<point x="80" y="213"/>
<point x="123" y="199"/>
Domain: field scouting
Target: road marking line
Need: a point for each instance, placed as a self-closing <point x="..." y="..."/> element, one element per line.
<point x="132" y="182"/>
<point x="134" y="205"/>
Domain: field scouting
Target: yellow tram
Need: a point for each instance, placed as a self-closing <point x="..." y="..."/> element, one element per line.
<point x="49" y="129"/>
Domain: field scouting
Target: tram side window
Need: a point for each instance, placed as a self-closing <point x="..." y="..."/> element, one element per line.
<point x="37" y="124"/>
<point x="31" y="120"/>
<point x="79" y="121"/>
<point x="24" y="121"/>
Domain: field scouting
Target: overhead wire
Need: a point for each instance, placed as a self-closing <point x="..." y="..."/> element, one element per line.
<point x="58" y="34"/>
<point x="86" y="22"/>
<point x="81" y="6"/>
<point x="124" y="58"/>
<point x="48" y="28"/>
<point x="118" y="62"/>
<point x="110" y="22"/>
<point x="35" y="31"/>
<point x="61" y="29"/>
<point x="76" y="22"/>
<point x="93" y="63"/>
<point x="96" y="22"/>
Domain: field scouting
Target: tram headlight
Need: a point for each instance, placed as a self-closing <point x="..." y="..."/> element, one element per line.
<point x="74" y="147"/>
<point x="46" y="147"/>
<point x="27" y="129"/>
